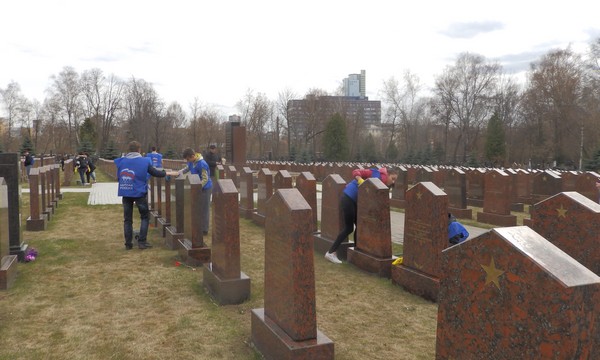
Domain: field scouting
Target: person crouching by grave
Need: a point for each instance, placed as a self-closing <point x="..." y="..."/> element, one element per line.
<point x="81" y="165"/>
<point x="456" y="231"/>
<point x="133" y="172"/>
<point x="348" y="204"/>
<point x="197" y="165"/>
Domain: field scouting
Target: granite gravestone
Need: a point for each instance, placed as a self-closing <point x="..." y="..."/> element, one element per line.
<point x="247" y="193"/>
<point x="373" y="250"/>
<point x="192" y="249"/>
<point x="8" y="262"/>
<point x="497" y="200"/>
<point x="282" y="180"/>
<point x="425" y="236"/>
<point x="287" y="326"/>
<point x="223" y="277"/>
<point x="10" y="170"/>
<point x="399" y="190"/>
<point x="36" y="220"/>
<point x="235" y="143"/>
<point x="331" y="217"/>
<point x="586" y="185"/>
<point x="232" y="174"/>
<point x="456" y="189"/>
<point x="164" y="221"/>
<point x="159" y="188"/>
<point x="510" y="294"/>
<point x="545" y="184"/>
<point x="307" y="185"/>
<point x="475" y="187"/>
<point x="571" y="222"/>
<point x="175" y="233"/>
<point x="265" y="191"/>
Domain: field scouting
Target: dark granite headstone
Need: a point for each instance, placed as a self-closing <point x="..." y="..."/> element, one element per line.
<point x="571" y="221"/>
<point x="192" y="249"/>
<point x="175" y="233"/>
<point x="545" y="184"/>
<point x="425" y="236"/>
<point x="282" y="180"/>
<point x="399" y="189"/>
<point x="456" y="189"/>
<point x="265" y="191"/>
<point x="331" y="216"/>
<point x="36" y="220"/>
<point x="497" y="200"/>
<point x="247" y="193"/>
<point x="524" y="183"/>
<point x="235" y="143"/>
<point x="307" y="185"/>
<point x="287" y="326"/>
<point x="373" y="251"/>
<point x="586" y="185"/>
<point x="8" y="262"/>
<point x="153" y="191"/>
<point x="164" y="221"/>
<point x="475" y="187"/>
<point x="10" y="170"/>
<point x="223" y="277"/>
<point x="232" y="174"/>
<point x="510" y="294"/>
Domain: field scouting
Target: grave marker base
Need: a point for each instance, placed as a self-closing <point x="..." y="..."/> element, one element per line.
<point x="19" y="251"/>
<point x="162" y="225"/>
<point x="193" y="256"/>
<point x="48" y="214"/>
<point x="226" y="291"/>
<point x="172" y="238"/>
<point x="274" y="343"/>
<point x="475" y="202"/>
<point x="36" y="224"/>
<point x="496" y="219"/>
<point x="153" y="217"/>
<point x="519" y="207"/>
<point x="461" y="213"/>
<point x="367" y="262"/>
<point x="247" y="213"/>
<point x="258" y="219"/>
<point x="8" y="271"/>
<point x="396" y="203"/>
<point x="416" y="282"/>
<point x="322" y="245"/>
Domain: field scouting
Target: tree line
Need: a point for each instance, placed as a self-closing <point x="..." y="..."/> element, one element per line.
<point x="475" y="113"/>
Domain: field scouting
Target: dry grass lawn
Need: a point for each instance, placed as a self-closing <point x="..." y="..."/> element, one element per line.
<point x="85" y="297"/>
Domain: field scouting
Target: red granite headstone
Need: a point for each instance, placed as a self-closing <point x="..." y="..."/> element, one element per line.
<point x="36" y="220"/>
<point x="192" y="249"/>
<point x="425" y="236"/>
<point x="265" y="191"/>
<point x="223" y="277"/>
<point x="586" y="185"/>
<point x="246" y="193"/>
<point x="569" y="180"/>
<point x="164" y="221"/>
<point x="282" y="180"/>
<point x="399" y="189"/>
<point x="307" y="185"/>
<point x="456" y="189"/>
<point x="475" y="187"/>
<point x="510" y="294"/>
<point x="373" y="250"/>
<point x="545" y="184"/>
<point x="524" y="183"/>
<point x="287" y="326"/>
<point x="331" y="216"/>
<point x="174" y="233"/>
<point x="8" y="262"/>
<point x="571" y="221"/>
<point x="497" y="200"/>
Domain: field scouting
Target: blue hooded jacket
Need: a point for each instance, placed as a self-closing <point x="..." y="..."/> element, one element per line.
<point x="133" y="172"/>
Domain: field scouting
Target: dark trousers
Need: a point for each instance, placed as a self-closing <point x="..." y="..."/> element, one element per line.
<point x="348" y="208"/>
<point x="142" y="205"/>
<point x="82" y="175"/>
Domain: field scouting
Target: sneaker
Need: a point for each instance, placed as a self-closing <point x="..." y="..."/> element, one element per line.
<point x="128" y="246"/>
<point x="144" y="245"/>
<point x="332" y="257"/>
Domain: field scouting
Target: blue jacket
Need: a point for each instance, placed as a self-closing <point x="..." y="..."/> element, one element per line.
<point x="133" y="172"/>
<point x="156" y="159"/>
<point x="201" y="168"/>
<point x="457" y="232"/>
<point x="351" y="190"/>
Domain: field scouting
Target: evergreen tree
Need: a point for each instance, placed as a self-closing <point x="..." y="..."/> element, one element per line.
<point x="391" y="153"/>
<point x="27" y="145"/>
<point x="171" y="153"/>
<point x="370" y="150"/>
<point x="495" y="149"/>
<point x="86" y="147"/>
<point x="110" y="152"/>
<point x="336" y="139"/>
<point x="293" y="153"/>
<point x="87" y="134"/>
<point x="593" y="164"/>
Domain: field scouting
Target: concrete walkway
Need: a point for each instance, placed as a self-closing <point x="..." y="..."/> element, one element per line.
<point x="105" y="193"/>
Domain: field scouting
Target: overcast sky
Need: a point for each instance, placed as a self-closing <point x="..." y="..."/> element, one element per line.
<point x="217" y="50"/>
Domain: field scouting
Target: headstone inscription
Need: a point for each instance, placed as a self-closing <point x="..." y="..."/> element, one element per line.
<point x="223" y="277"/>
<point x="286" y="328"/>
<point x="510" y="294"/>
<point x="425" y="236"/>
<point x="373" y="250"/>
<point x="192" y="249"/>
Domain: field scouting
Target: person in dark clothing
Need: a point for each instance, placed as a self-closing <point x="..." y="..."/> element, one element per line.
<point x="28" y="162"/>
<point x="91" y="170"/>
<point x="133" y="172"/>
<point x="348" y="204"/>
<point x="212" y="158"/>
<point x="81" y="165"/>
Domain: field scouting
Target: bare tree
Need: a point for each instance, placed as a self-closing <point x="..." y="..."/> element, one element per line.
<point x="144" y="110"/>
<point x="256" y="111"/>
<point x="467" y="90"/>
<point x="15" y="105"/>
<point x="66" y="91"/>
<point x="283" y="109"/>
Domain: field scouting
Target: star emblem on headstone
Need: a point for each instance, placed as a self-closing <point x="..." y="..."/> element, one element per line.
<point x="419" y="194"/>
<point x="492" y="273"/>
<point x="561" y="211"/>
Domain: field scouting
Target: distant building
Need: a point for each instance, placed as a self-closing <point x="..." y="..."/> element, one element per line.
<point x="355" y="85"/>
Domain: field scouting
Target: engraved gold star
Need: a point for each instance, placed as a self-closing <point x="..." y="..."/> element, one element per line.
<point x="561" y="211"/>
<point x="492" y="273"/>
<point x="419" y="194"/>
<point x="544" y="178"/>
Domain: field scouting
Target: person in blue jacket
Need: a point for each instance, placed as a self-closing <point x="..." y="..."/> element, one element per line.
<point x="156" y="158"/>
<point x="197" y="165"/>
<point x="133" y="171"/>
<point x="456" y="231"/>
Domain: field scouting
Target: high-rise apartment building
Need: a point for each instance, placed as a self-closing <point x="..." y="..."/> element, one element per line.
<point x="355" y="85"/>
